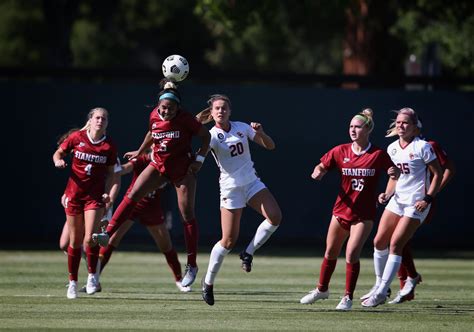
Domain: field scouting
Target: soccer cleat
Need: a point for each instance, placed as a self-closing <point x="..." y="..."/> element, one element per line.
<point x="372" y="292"/>
<point x="207" y="292"/>
<point x="190" y="274"/>
<point x="182" y="288"/>
<point x="101" y="238"/>
<point x="374" y="300"/>
<point x="83" y="289"/>
<point x="314" y="296"/>
<point x="246" y="261"/>
<point x="92" y="284"/>
<point x="345" y="304"/>
<point x="410" y="285"/>
<point x="72" y="290"/>
<point x="400" y="298"/>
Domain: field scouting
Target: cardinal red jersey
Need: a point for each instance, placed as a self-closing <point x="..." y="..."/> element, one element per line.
<point x="148" y="209"/>
<point x="172" y="150"/>
<point x="90" y="162"/>
<point x="359" y="177"/>
<point x="441" y="155"/>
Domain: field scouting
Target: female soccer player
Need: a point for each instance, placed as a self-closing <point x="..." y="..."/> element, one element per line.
<point x="360" y="164"/>
<point x="407" y="274"/>
<point x="87" y="191"/>
<point x="149" y="213"/>
<point x="170" y="130"/>
<point x="410" y="204"/>
<point x="239" y="186"/>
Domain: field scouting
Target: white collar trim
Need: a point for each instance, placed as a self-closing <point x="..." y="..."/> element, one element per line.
<point x="363" y="151"/>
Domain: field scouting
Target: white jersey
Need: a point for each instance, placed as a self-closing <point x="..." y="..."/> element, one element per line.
<point x="232" y="154"/>
<point x="411" y="160"/>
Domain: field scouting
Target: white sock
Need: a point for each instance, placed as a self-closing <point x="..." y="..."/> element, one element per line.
<point x="97" y="270"/>
<point x="263" y="233"/>
<point x="218" y="253"/>
<point x="391" y="268"/>
<point x="380" y="260"/>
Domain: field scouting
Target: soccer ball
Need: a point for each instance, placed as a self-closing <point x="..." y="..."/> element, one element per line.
<point x="176" y="68"/>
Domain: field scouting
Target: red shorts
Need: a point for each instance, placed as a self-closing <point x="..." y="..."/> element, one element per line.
<point x="148" y="214"/>
<point x="75" y="207"/>
<point x="346" y="224"/>
<point x="173" y="174"/>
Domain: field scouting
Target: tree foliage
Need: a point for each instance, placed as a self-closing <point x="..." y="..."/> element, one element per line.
<point x="305" y="36"/>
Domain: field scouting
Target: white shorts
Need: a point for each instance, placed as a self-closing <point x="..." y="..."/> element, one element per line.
<point x="237" y="197"/>
<point x="407" y="210"/>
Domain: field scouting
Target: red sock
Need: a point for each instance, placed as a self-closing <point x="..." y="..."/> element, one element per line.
<point x="191" y="235"/>
<point x="327" y="268"/>
<point x="173" y="262"/>
<point x="402" y="275"/>
<point x="73" y="261"/>
<point x="92" y="258"/>
<point x="352" y="274"/>
<point x="123" y="211"/>
<point x="104" y="255"/>
<point x="408" y="262"/>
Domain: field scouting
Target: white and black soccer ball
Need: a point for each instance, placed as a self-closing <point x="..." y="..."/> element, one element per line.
<point x="175" y="68"/>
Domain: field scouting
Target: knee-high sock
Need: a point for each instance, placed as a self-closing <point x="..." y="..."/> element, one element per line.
<point x="122" y="213"/>
<point x="407" y="261"/>
<point x="73" y="261"/>
<point x="191" y="236"/>
<point x="327" y="269"/>
<point x="104" y="255"/>
<point x="218" y="253"/>
<point x="173" y="262"/>
<point x="352" y="274"/>
<point x="92" y="258"/>
<point x="380" y="260"/>
<point x="391" y="268"/>
<point x="263" y="233"/>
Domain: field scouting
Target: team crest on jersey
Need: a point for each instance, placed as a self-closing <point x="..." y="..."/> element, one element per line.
<point x="220" y="136"/>
<point x="240" y="134"/>
<point x="411" y="156"/>
<point x="346" y="160"/>
<point x="153" y="126"/>
<point x="393" y="152"/>
<point x="82" y="144"/>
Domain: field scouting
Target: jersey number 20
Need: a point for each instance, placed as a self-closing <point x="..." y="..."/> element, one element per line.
<point x="236" y="149"/>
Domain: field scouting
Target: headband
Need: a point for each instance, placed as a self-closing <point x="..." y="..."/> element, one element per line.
<point x="169" y="95"/>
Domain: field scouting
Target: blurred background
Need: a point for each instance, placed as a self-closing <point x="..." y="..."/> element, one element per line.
<point x="301" y="68"/>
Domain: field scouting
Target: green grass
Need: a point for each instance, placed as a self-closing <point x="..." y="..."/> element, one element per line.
<point x="139" y="294"/>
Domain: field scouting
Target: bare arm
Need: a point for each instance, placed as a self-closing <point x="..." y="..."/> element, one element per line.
<point x="109" y="180"/>
<point x="58" y="158"/>
<point x="201" y="154"/>
<point x="435" y="184"/>
<point x="261" y="138"/>
<point x="389" y="190"/>
<point x="448" y="174"/>
<point x="146" y="144"/>
<point x="319" y="171"/>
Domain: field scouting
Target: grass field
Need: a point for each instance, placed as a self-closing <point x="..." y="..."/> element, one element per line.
<point x="139" y="294"/>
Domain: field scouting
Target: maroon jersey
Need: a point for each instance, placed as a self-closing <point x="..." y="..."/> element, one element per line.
<point x="148" y="210"/>
<point x="359" y="177"/>
<point x="172" y="139"/>
<point x="441" y="155"/>
<point x="90" y="162"/>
